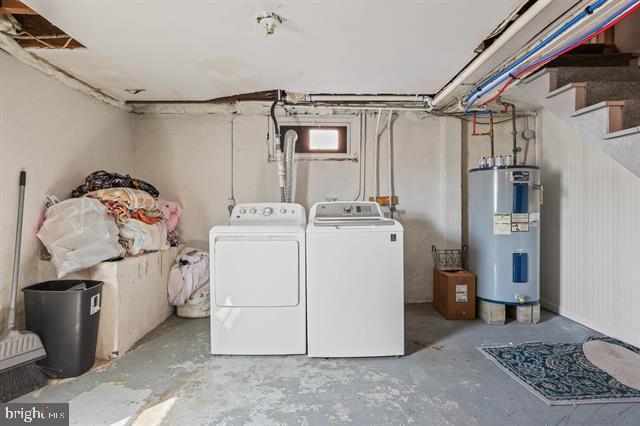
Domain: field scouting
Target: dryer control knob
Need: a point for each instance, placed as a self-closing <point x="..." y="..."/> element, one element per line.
<point x="283" y="211"/>
<point x="347" y="209"/>
<point x="243" y="211"/>
<point x="253" y="211"/>
<point x="267" y="211"/>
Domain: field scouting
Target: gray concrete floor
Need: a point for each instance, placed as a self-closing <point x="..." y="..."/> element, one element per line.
<point x="170" y="378"/>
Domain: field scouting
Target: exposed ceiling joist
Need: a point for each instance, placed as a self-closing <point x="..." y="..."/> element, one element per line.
<point x="15" y="7"/>
<point x="37" y="32"/>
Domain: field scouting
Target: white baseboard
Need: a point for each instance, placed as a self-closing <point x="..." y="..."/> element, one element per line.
<point x="624" y="335"/>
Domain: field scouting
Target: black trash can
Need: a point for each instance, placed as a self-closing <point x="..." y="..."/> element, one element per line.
<point x="65" y="314"/>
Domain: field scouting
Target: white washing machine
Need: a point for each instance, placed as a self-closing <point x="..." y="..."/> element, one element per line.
<point x="355" y="281"/>
<point x="258" y="289"/>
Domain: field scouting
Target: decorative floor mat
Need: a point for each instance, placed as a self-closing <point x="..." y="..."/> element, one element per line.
<point x="559" y="373"/>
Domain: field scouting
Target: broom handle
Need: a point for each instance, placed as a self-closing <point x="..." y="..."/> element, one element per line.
<point x="16" y="254"/>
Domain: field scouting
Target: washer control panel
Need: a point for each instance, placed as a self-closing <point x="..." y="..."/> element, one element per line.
<point x="345" y="210"/>
<point x="268" y="214"/>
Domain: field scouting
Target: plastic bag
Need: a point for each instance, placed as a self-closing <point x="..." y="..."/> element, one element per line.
<point x="78" y="234"/>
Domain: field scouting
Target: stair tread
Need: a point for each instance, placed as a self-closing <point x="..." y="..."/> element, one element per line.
<point x="595" y="48"/>
<point x="598" y="91"/>
<point x="566" y="75"/>
<point x="591" y="60"/>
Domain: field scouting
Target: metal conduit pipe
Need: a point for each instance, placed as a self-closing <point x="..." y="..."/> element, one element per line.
<point x="514" y="132"/>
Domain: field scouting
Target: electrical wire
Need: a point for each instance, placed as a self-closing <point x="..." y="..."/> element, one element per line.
<point x="617" y="17"/>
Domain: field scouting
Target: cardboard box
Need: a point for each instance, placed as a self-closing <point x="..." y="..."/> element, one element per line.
<point x="454" y="294"/>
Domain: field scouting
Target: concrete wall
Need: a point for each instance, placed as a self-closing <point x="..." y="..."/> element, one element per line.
<point x="590" y="233"/>
<point x="188" y="158"/>
<point x="59" y="136"/>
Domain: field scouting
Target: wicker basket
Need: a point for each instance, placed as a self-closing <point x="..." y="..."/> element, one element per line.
<point x="449" y="259"/>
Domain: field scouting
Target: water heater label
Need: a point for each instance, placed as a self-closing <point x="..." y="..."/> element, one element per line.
<point x="519" y="176"/>
<point x="534" y="219"/>
<point x="461" y="293"/>
<point x="502" y="223"/>
<point x="520" y="222"/>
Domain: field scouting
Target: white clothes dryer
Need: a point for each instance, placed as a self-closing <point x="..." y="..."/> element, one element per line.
<point x="258" y="291"/>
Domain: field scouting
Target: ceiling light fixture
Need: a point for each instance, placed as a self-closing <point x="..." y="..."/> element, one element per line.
<point x="269" y="20"/>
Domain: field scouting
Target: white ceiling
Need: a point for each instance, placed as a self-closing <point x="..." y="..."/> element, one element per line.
<point x="199" y="50"/>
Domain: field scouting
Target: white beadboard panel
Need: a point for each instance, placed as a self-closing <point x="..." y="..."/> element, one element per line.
<point x="590" y="233"/>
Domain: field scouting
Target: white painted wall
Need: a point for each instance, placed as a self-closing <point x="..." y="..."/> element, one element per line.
<point x="59" y="136"/>
<point x="590" y="233"/>
<point x="188" y="158"/>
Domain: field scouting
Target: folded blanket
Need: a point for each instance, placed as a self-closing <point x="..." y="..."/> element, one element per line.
<point x="171" y="212"/>
<point x="147" y="216"/>
<point x="121" y="201"/>
<point x="138" y="237"/>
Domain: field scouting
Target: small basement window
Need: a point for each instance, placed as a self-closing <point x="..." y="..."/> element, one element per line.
<point x="318" y="139"/>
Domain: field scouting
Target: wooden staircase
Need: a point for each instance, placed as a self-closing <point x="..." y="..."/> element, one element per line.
<point x="596" y="90"/>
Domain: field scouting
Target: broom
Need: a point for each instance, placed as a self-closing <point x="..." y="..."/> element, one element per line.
<point x="19" y="350"/>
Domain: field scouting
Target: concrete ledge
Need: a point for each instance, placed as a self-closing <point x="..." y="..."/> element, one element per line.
<point x="134" y="297"/>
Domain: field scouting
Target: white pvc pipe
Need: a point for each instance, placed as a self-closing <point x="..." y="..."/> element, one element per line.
<point x="375" y="156"/>
<point x="513" y="29"/>
<point x="390" y="156"/>
<point x="365" y="98"/>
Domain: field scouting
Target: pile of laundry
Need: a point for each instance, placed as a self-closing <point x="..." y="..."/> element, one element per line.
<point x="189" y="283"/>
<point x="109" y="216"/>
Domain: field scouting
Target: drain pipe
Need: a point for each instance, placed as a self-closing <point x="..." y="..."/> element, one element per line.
<point x="491" y="136"/>
<point x="514" y="132"/>
<point x="279" y="154"/>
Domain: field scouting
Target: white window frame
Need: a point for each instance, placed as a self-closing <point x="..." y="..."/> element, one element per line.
<point x="351" y="122"/>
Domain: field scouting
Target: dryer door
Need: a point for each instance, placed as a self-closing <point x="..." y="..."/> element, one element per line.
<point x="256" y="272"/>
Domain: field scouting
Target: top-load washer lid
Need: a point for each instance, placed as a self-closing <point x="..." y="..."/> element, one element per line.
<point x="268" y="214"/>
<point x="348" y="213"/>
